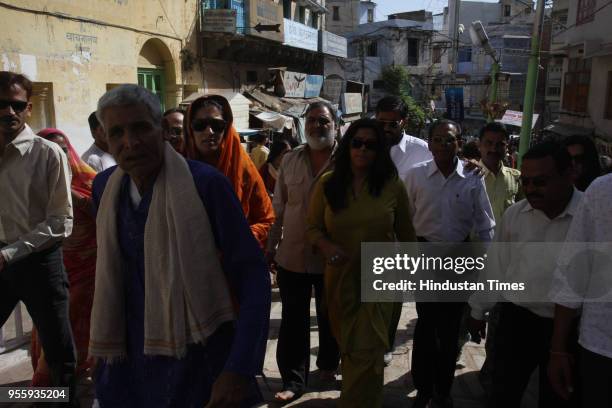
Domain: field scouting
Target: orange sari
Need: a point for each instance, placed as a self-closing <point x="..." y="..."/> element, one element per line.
<point x="80" y="261"/>
<point x="236" y="164"/>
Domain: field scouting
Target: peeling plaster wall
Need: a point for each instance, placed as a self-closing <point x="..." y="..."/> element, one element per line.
<point x="79" y="59"/>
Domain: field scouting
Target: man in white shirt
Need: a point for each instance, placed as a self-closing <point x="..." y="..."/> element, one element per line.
<point x="590" y="229"/>
<point x="406" y="152"/>
<point x="97" y="156"/>
<point x="35" y="216"/>
<point x="447" y="204"/>
<point x="524" y="329"/>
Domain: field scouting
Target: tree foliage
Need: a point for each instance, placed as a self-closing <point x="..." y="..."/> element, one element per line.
<point x="396" y="79"/>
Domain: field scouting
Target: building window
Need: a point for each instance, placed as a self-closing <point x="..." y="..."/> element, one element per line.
<point x="608" y="111"/>
<point x="378" y="84"/>
<point x="553" y="91"/>
<point x="528" y="11"/>
<point x="372" y="50"/>
<point x="336" y="16"/>
<point x="302" y="14"/>
<point x="465" y="54"/>
<point x="413" y="51"/>
<point x="576" y="85"/>
<point x="586" y="11"/>
<point x="437" y="55"/>
<point x="251" y="77"/>
<point x="507" y="10"/>
<point x="314" y="20"/>
<point x="287" y="9"/>
<point x="370" y="15"/>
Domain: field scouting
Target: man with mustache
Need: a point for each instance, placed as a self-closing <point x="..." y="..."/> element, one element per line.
<point x="97" y="156"/>
<point x="525" y="326"/>
<point x="35" y="217"/>
<point x="300" y="267"/>
<point x="503" y="188"/>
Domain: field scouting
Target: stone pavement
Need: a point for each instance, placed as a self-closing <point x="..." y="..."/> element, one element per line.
<point x="15" y="369"/>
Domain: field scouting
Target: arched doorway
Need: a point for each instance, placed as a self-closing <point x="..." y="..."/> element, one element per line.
<point x="156" y="70"/>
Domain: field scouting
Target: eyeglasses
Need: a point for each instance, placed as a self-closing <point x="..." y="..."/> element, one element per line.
<point x="18" y="106"/>
<point x="369" y="144"/>
<point x="393" y="124"/>
<point x="322" y="121"/>
<point x="217" y="125"/>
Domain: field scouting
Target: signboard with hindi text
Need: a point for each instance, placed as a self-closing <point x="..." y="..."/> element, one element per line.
<point x="219" y="21"/>
<point x="301" y="36"/>
<point x="515" y="118"/>
<point x="333" y="44"/>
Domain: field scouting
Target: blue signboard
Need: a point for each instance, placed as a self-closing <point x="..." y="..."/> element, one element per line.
<point x="454" y="104"/>
<point x="313" y="85"/>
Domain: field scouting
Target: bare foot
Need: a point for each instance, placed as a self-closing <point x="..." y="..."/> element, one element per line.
<point x="284" y="396"/>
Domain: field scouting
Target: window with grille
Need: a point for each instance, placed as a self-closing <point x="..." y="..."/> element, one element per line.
<point x="576" y="85"/>
<point x="437" y="55"/>
<point x="413" y="51"/>
<point x="372" y="50"/>
<point x="586" y="11"/>
<point x="507" y="10"/>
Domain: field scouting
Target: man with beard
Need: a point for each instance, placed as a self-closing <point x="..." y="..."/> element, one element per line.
<point x="172" y="126"/>
<point x="35" y="217"/>
<point x="299" y="267"/>
<point x="525" y="327"/>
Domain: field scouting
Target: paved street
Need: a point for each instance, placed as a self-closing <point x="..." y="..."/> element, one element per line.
<point x="15" y="368"/>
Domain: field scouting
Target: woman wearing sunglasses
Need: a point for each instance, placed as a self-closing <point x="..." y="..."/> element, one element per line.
<point x="361" y="200"/>
<point x="212" y="138"/>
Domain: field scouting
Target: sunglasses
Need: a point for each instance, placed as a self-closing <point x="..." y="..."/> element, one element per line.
<point x="217" y="125"/>
<point x="369" y="144"/>
<point x="18" y="106"/>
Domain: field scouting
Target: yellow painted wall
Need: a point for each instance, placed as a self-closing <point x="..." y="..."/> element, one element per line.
<point x="79" y="59"/>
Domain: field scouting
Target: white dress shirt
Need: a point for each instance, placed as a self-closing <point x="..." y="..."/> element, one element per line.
<point x="448" y="209"/>
<point x="525" y="251"/>
<point x="98" y="159"/>
<point x="409" y="152"/>
<point x="592" y="224"/>
<point x="36" y="204"/>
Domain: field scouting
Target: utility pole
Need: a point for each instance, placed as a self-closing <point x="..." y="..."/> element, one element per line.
<point x="454" y="34"/>
<point x="532" y="81"/>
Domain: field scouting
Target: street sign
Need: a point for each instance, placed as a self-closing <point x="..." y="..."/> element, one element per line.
<point x="454" y="104"/>
<point x="219" y="21"/>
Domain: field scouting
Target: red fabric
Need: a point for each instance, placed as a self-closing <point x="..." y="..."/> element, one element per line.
<point x="80" y="261"/>
<point x="236" y="164"/>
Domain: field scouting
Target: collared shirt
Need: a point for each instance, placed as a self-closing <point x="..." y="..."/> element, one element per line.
<point x="409" y="152"/>
<point x="259" y="155"/>
<point x="527" y="260"/>
<point x="448" y="209"/>
<point x="291" y="198"/>
<point x="592" y="225"/>
<point x="36" y="205"/>
<point x="98" y="159"/>
<point x="503" y="188"/>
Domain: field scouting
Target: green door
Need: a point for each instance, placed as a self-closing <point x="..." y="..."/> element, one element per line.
<point x="153" y="80"/>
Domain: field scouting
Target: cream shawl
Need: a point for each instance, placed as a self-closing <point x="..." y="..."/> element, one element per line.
<point x="186" y="292"/>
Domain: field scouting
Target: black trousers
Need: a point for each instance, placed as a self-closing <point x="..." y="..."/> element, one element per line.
<point x="595" y="379"/>
<point x="522" y="344"/>
<point x="293" y="348"/>
<point x="435" y="346"/>
<point x="41" y="283"/>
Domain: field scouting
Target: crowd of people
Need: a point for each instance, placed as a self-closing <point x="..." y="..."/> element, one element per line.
<point x="146" y="262"/>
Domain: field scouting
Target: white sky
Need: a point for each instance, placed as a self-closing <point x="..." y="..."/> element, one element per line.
<point x="385" y="7"/>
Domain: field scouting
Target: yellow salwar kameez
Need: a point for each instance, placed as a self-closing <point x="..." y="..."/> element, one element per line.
<point x="361" y="329"/>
